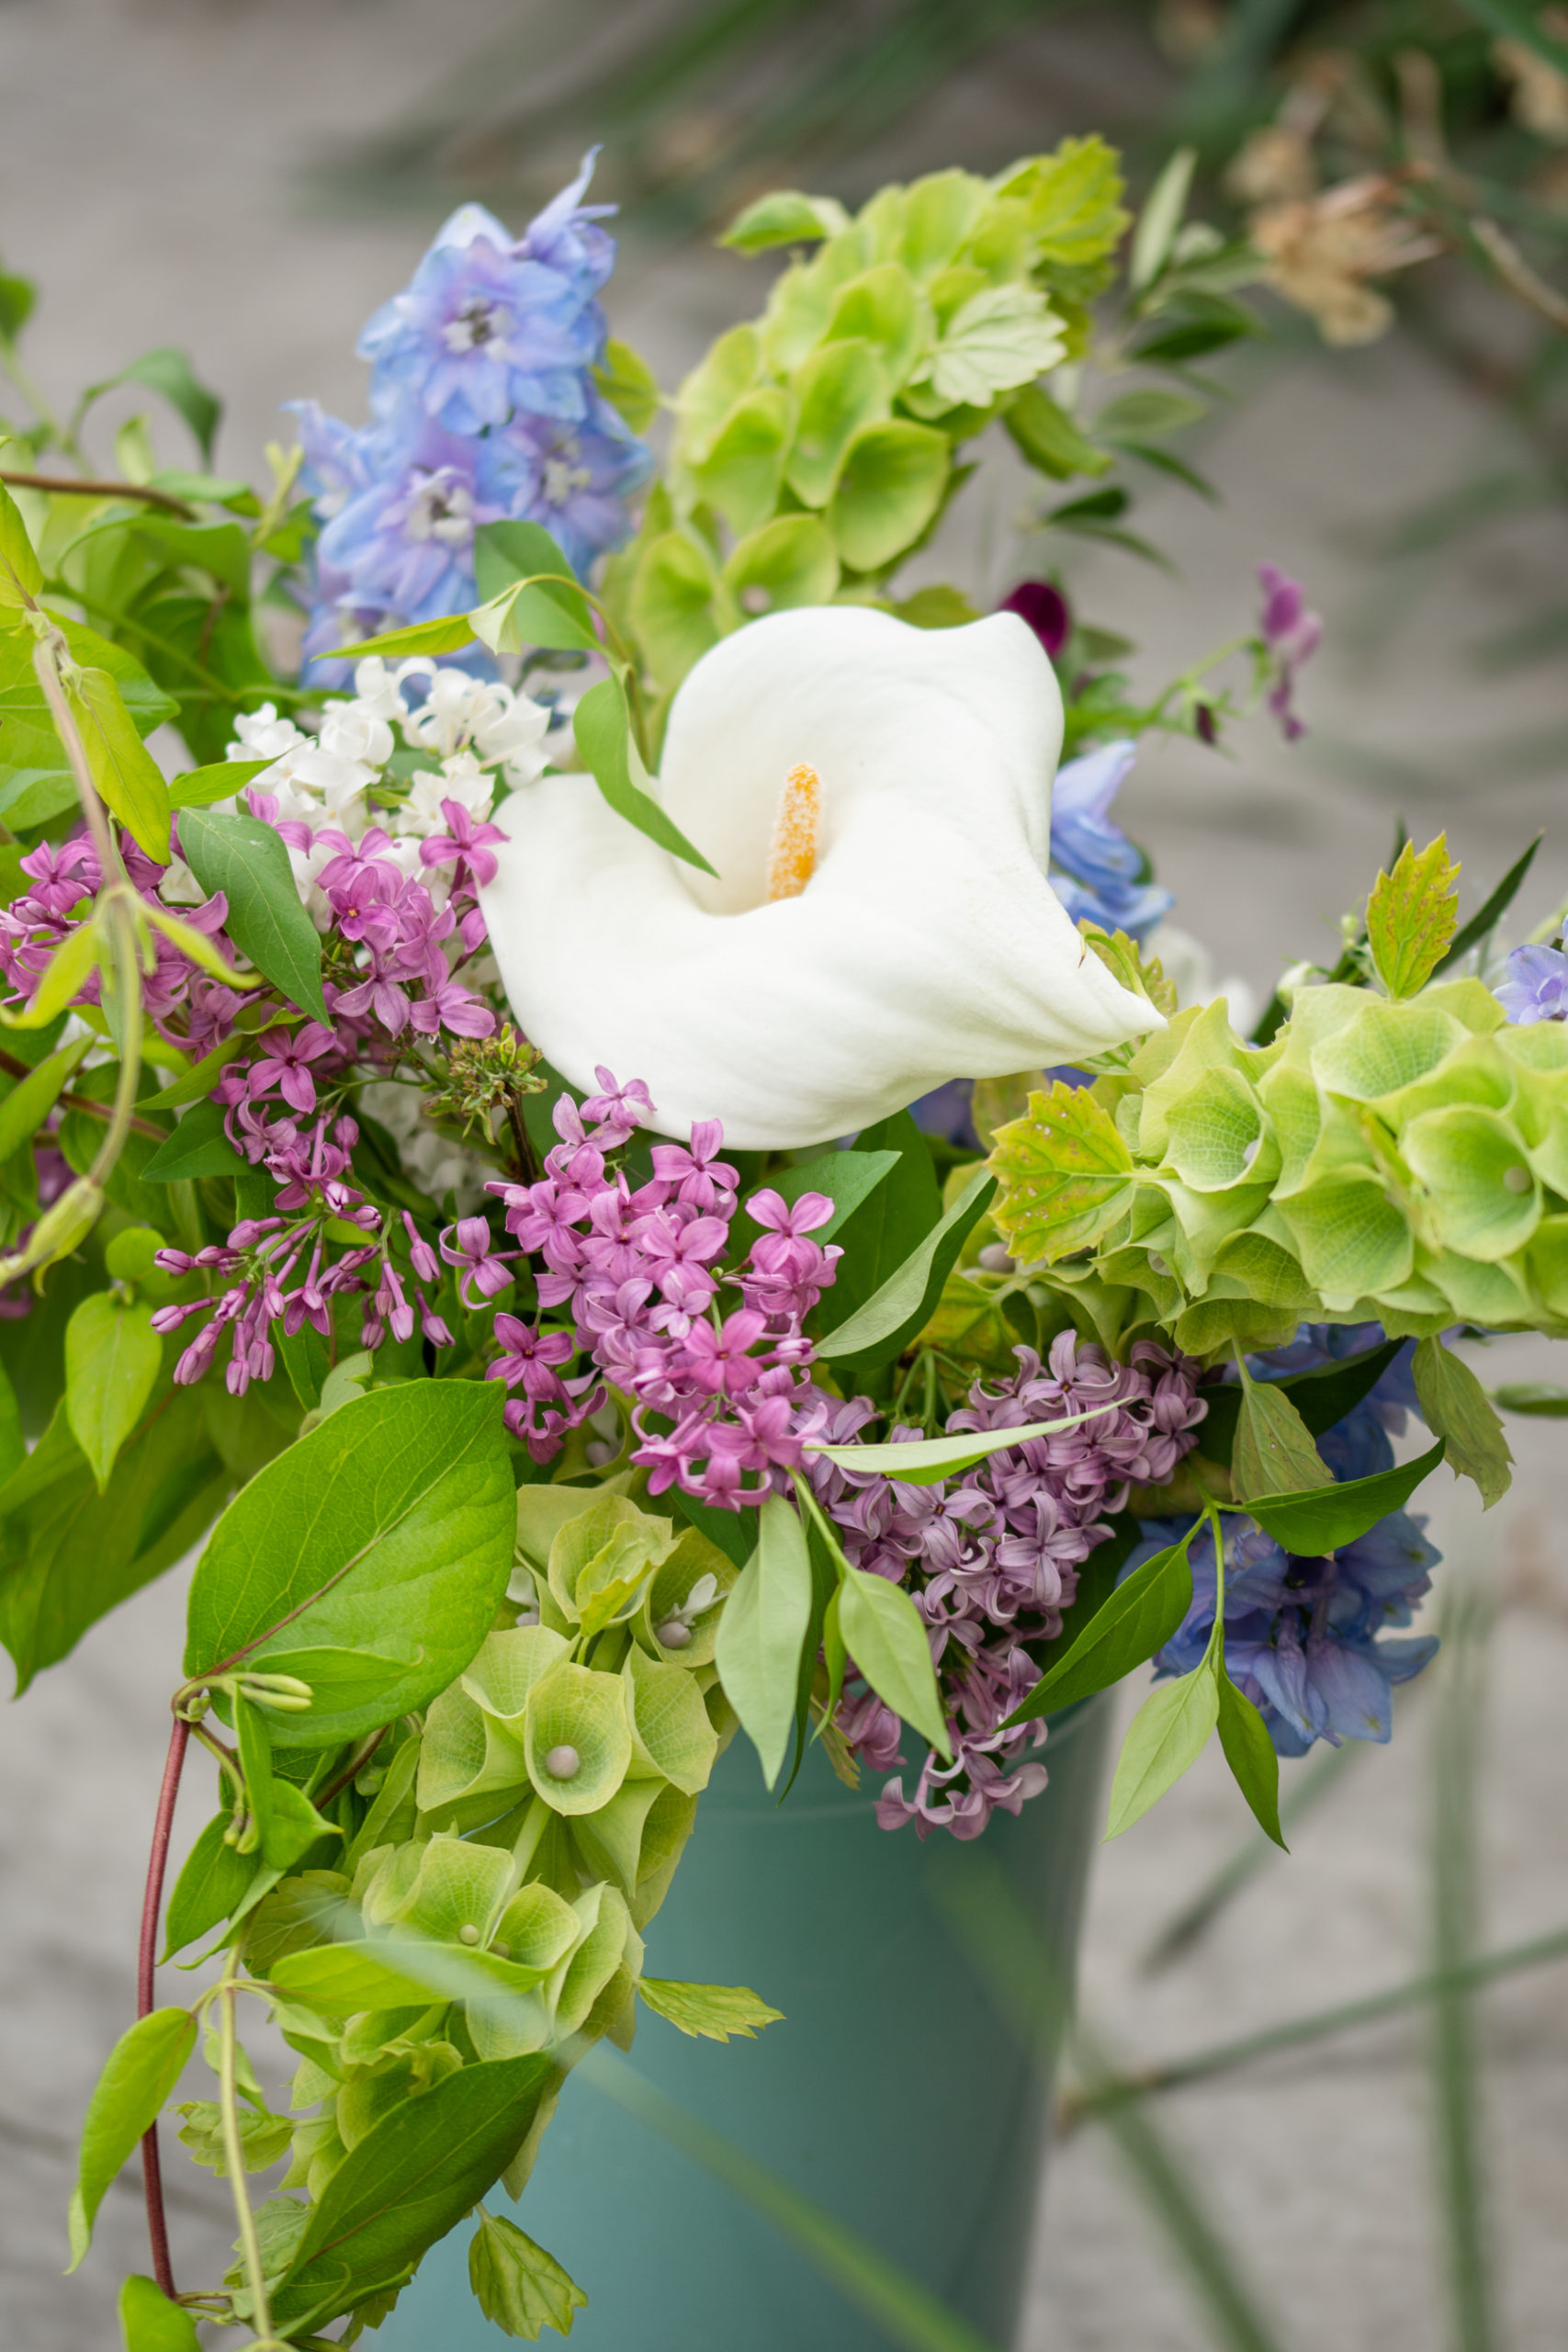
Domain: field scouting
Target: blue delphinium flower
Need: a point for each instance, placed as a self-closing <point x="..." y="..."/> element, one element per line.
<point x="484" y="409"/>
<point x="1095" y="869"/>
<point x="1537" y="985"/>
<point x="1308" y="1640"/>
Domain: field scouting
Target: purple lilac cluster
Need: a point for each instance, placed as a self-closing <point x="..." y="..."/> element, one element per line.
<point x="1307" y="1639"/>
<point x="720" y="1401"/>
<point x="485" y="408"/>
<point x="992" y="1558"/>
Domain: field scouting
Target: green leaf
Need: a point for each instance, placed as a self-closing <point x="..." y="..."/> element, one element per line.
<point x="64" y="976"/>
<point x="112" y="1358"/>
<point x="1315" y="1523"/>
<point x="924" y="1462"/>
<point x="1489" y="914"/>
<point x="396" y="1972"/>
<point x="531" y="593"/>
<point x="885" y="1635"/>
<point x="1173" y="347"/>
<point x="448" y="634"/>
<point x="762" y="1630"/>
<point x="1138" y="1618"/>
<point x="263" y="2138"/>
<point x="198" y="786"/>
<point x="69" y="1555"/>
<point x="198" y="1082"/>
<point x="21" y="575"/>
<point x="169" y="371"/>
<point x="784" y="217"/>
<point x="247" y="860"/>
<point x="211" y="1887"/>
<point x="1251" y="1754"/>
<point x="1159" y="221"/>
<point x="889" y="487"/>
<point x="1049" y="439"/>
<point x="1003" y="337"/>
<point x="630" y="384"/>
<point x="19" y="298"/>
<point x="32" y="1098"/>
<point x="389" y="1528"/>
<point x="519" y="2287"/>
<point x="128" y="777"/>
<point x="1533" y="1397"/>
<point x="1322" y="1397"/>
<point x="1273" y="1453"/>
<point x="890" y="1223"/>
<point x="1412" y="915"/>
<point x="1147" y="415"/>
<point x="903" y="1303"/>
<point x="13" y="1445"/>
<point x="143" y="2068"/>
<point x="1074" y="200"/>
<point x="149" y="2322"/>
<point x="845" y="1178"/>
<point x="713" y="2011"/>
<point x="601" y="725"/>
<point x="790" y="562"/>
<point x="1457" y="1409"/>
<point x="1166" y="1738"/>
<point x="1065" y="1175"/>
<point x="740" y="477"/>
<point x="410" y="2180"/>
<point x="198" y="1146"/>
<point x="674" y="603"/>
<point x="840" y="388"/>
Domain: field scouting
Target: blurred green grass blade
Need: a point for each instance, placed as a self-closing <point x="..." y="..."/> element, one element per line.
<point x="905" y="2310"/>
<point x="1220" y="2057"/>
<point x="1455" y="2074"/>
<point x="985" y="1914"/>
<point x="1204" y="1907"/>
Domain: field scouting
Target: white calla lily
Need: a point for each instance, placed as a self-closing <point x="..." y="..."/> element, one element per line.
<point x="895" y="784"/>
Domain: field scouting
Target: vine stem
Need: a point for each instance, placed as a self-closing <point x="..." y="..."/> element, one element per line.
<point x="147" y="1962"/>
<point x="234" y="2157"/>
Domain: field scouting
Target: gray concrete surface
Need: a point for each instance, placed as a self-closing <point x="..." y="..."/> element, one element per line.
<point x="152" y="163"/>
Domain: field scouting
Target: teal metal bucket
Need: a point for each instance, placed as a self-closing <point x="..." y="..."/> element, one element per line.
<point x="895" y="2095"/>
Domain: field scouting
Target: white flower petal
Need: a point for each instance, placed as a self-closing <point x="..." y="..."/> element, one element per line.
<point x="927" y="945"/>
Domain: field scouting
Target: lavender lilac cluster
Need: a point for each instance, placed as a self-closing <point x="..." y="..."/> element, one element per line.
<point x="1309" y="1640"/>
<point x="992" y="1558"/>
<point x="484" y="409"/>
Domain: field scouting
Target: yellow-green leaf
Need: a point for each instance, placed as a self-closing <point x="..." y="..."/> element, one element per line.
<point x="1065" y="1173"/>
<point x="127" y="776"/>
<point x="1411" y="916"/>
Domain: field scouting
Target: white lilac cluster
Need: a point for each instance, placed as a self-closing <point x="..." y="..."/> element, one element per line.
<point x="472" y="739"/>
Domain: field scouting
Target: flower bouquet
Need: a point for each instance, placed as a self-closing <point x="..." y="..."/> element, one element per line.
<point x="601" y="1265"/>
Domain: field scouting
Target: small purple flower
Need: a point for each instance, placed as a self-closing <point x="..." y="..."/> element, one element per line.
<point x="1537" y="985"/>
<point x="469" y="1246"/>
<point x="1291" y="635"/>
<point x="1044" y="608"/>
<point x="466" y="845"/>
<point x="285" y="1063"/>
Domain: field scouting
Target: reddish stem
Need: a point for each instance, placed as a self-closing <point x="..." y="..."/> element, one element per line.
<point x="147" y="1960"/>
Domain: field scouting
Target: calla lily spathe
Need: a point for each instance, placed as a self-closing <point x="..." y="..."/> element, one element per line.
<point x="925" y="943"/>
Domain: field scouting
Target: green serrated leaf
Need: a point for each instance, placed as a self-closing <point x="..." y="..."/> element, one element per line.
<point x="519" y="2287"/>
<point x="1065" y="1175"/>
<point x="248" y="862"/>
<point x="1457" y="1409"/>
<point x="142" y="2069"/>
<point x="1412" y="915"/>
<point x="1167" y="1736"/>
<point x="714" y="2012"/>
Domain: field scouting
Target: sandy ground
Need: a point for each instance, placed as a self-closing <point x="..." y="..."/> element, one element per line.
<point x="175" y="144"/>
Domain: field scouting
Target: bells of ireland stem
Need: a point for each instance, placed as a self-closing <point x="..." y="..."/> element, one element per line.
<point x="875" y="800"/>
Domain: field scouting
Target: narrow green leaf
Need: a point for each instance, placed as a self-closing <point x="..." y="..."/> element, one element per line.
<point x="1533" y="1397"/>
<point x="21" y="576"/>
<point x="447" y="634"/>
<point x="602" y="728"/>
<point x="784" y="217"/>
<point x="1273" y="1453"/>
<point x="519" y="2287"/>
<point x="922" y="1461"/>
<point x="221" y="781"/>
<point x="198" y="1082"/>
<point x="112" y="1359"/>
<point x="1139" y="1617"/>
<point x="1251" y="1754"/>
<point x="1311" y="1524"/>
<point x="247" y="860"/>
<point x="143" y="2068"/>
<point x="1166" y="1738"/>
<point x="149" y="2322"/>
<point x="885" y="1635"/>
<point x="1411" y="916"/>
<point x="388" y="1529"/>
<point x="711" y="2011"/>
<point x="1049" y="439"/>
<point x="845" y="1178"/>
<point x="411" y="2179"/>
<point x="198" y="1146"/>
<point x="64" y="976"/>
<point x="893" y="1220"/>
<point x="1159" y="219"/>
<point x="903" y="1303"/>
<point x="32" y="1098"/>
<point x="169" y="372"/>
<point x="1490" y="913"/>
<point x="129" y="779"/>
<point x="762" y="1630"/>
<point x="209" y="1888"/>
<point x="1456" y="1409"/>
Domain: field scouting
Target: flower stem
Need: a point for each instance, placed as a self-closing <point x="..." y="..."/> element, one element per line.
<point x="147" y="1962"/>
<point x="102" y="490"/>
<point x="234" y="2157"/>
